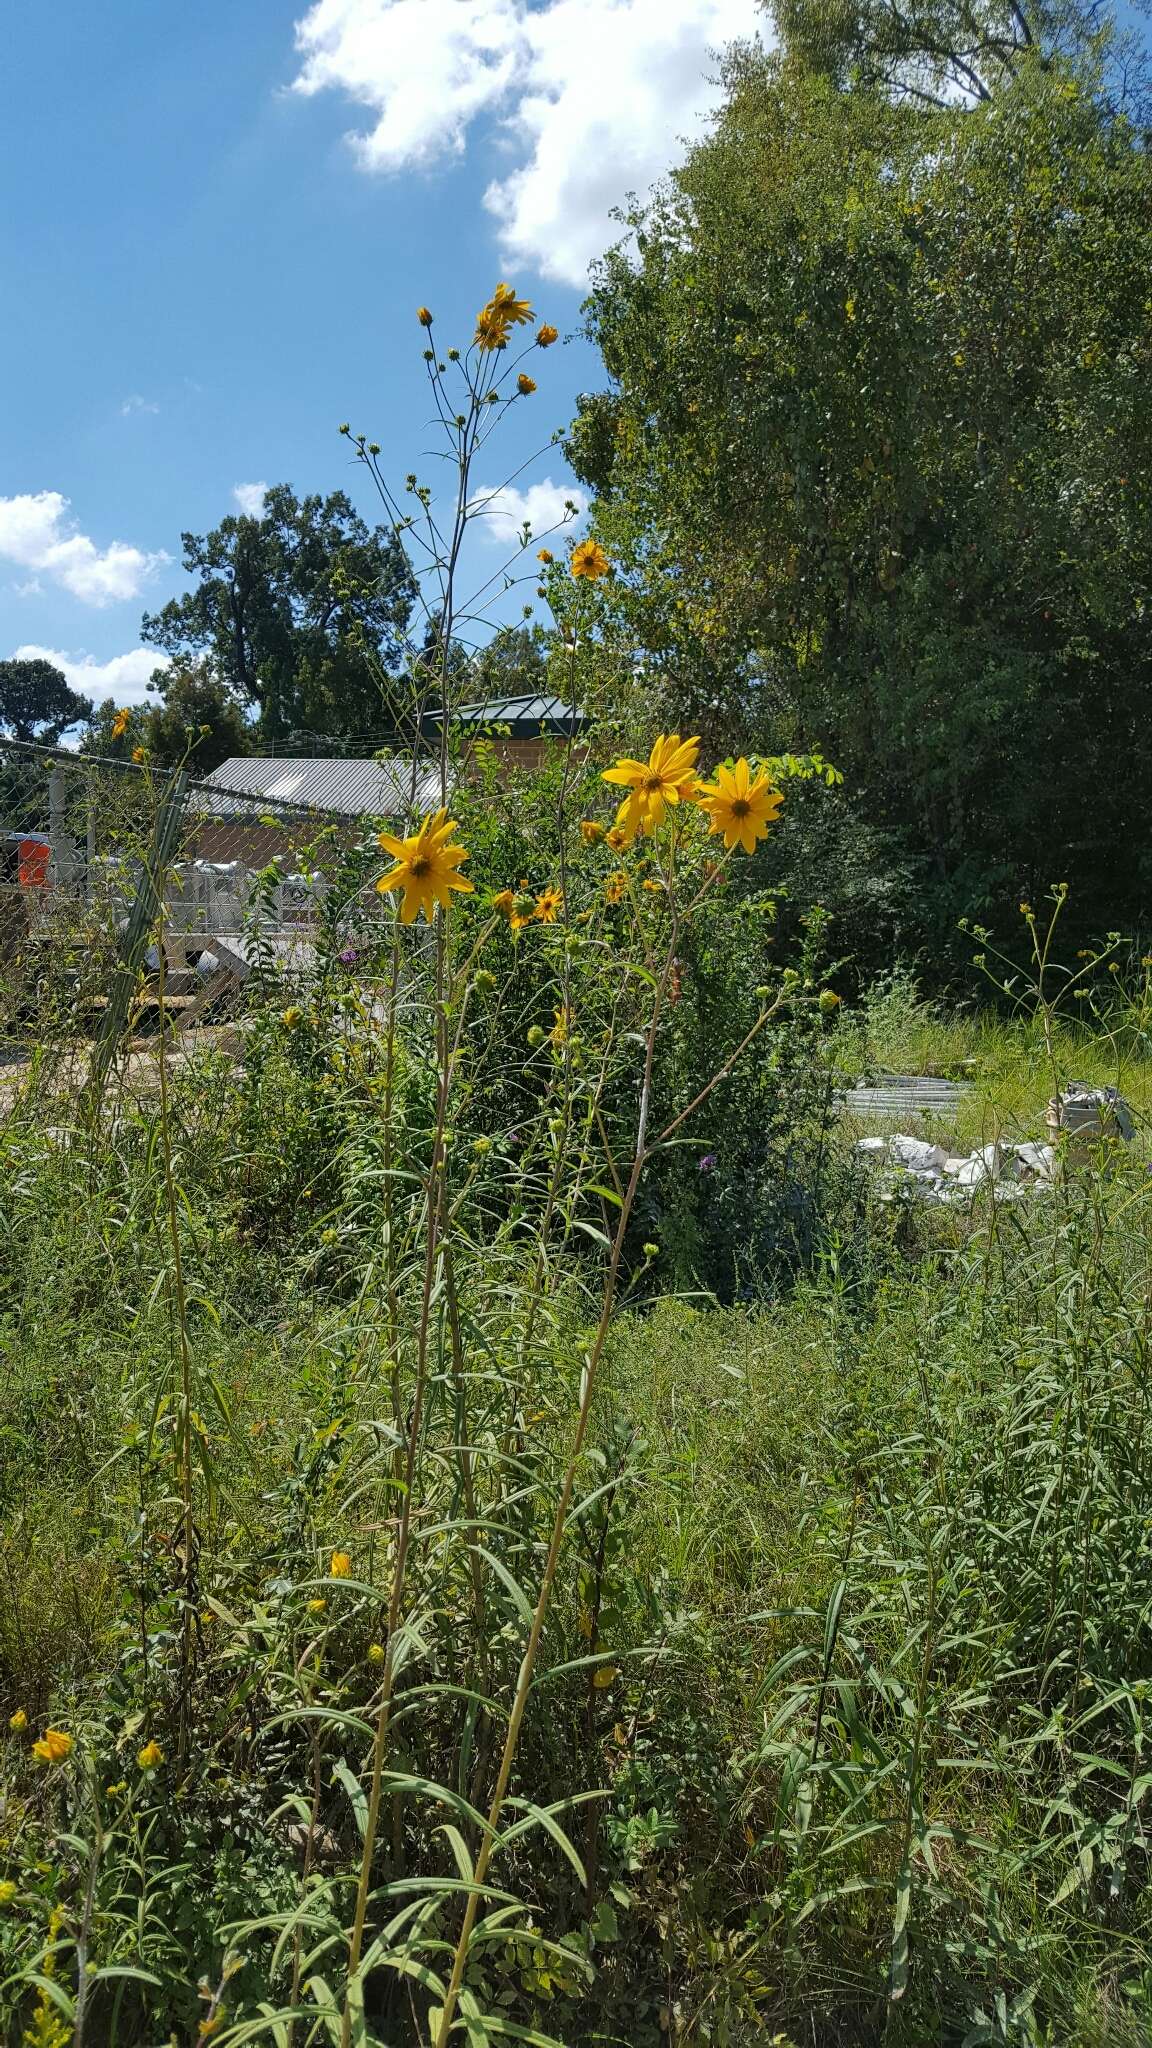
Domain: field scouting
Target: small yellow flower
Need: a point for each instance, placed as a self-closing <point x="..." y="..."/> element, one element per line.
<point x="740" y="805"/>
<point x="426" y="867"/>
<point x="589" y="560"/>
<point x="548" y="904"/>
<point x="525" y="385"/>
<point x="606" y="1676"/>
<point x="317" y="1606"/>
<point x="7" y="1892"/>
<point x="829" y="1000"/>
<point x="120" y="724"/>
<point x="591" y="831"/>
<point x="505" y="903"/>
<point x="376" y="1653"/>
<point x="291" y="1016"/>
<point x="139" y="755"/>
<point x="615" y="887"/>
<point x="654" y="888"/>
<point x="150" y="1756"/>
<point x="559" y="1033"/>
<point x="546" y="335"/>
<point x="545" y="555"/>
<point x="341" y="1565"/>
<point x="619" y="838"/>
<point x="424" y="316"/>
<point x="54" y="1745"/>
<point x="18" y="1721"/>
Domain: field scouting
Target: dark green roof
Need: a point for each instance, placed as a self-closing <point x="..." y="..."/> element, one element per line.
<point x="530" y="717"/>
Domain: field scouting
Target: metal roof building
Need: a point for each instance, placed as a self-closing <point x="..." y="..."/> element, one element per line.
<point x="353" y="789"/>
<point x="528" y="717"/>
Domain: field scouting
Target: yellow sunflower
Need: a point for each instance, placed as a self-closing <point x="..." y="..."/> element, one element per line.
<point x="120" y="724"/>
<point x="546" y="335"/>
<point x="525" y="385"/>
<point x="666" y="777"/>
<point x="548" y="904"/>
<point x="740" y="805"/>
<point x="503" y="312"/>
<point x="425" y="867"/>
<point x="54" y="1745"/>
<point x="589" y="560"/>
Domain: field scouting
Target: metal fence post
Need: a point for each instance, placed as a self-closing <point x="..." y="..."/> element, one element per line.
<point x="63" y="851"/>
<point x="134" y="944"/>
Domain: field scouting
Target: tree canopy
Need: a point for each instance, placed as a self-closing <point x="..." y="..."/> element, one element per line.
<point x="36" y="701"/>
<point x="193" y="720"/>
<point x="302" y="613"/>
<point x="874" y="461"/>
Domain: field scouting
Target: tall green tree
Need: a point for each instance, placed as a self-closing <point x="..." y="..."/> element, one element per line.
<point x="876" y="463"/>
<point x="193" y="720"/>
<point x="302" y="613"/>
<point x="957" y="53"/>
<point x="37" y="703"/>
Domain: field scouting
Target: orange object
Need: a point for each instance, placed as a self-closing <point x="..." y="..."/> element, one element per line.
<point x="33" y="856"/>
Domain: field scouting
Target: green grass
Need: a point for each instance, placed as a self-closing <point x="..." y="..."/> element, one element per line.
<point x="850" y="1644"/>
<point x="1008" y="1063"/>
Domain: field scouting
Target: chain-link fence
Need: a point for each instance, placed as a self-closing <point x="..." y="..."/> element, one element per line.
<point x="132" y="902"/>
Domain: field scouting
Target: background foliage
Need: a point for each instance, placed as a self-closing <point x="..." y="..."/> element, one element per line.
<point x="874" y="457"/>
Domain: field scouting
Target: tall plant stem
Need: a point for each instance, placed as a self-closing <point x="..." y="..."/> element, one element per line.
<point x="184" y="1424"/>
<point x="435" y="1213"/>
<point x="594" y="1356"/>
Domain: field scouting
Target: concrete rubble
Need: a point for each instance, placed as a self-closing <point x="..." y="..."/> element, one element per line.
<point x="913" y="1169"/>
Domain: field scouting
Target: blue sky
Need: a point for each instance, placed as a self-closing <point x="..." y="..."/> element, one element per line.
<point x="220" y="220"/>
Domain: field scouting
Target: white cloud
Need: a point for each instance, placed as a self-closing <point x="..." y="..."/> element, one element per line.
<point x="250" y="499"/>
<point x="424" y="67"/>
<point x="36" y="534"/>
<point x="122" y="676"/>
<point x="594" y="97"/>
<point x="135" y="403"/>
<point x="503" y="509"/>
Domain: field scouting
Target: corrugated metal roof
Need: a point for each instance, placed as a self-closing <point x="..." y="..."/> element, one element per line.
<point x="356" y="789"/>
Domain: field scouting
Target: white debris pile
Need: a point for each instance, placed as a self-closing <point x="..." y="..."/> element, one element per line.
<point x="1078" y="1119"/>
